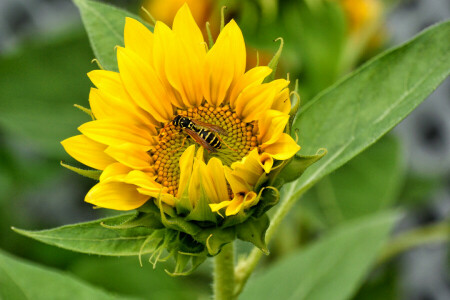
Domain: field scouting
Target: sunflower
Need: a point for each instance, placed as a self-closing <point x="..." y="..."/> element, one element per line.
<point x="144" y="155"/>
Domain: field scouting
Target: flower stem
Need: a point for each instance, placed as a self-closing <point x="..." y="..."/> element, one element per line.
<point x="246" y="267"/>
<point x="224" y="273"/>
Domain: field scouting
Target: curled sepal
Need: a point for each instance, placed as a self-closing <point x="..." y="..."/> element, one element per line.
<point x="183" y="205"/>
<point x="93" y="174"/>
<point x="269" y="197"/>
<point x="214" y="239"/>
<point x="141" y="219"/>
<point x="297" y="166"/>
<point x="254" y="231"/>
<point x="189" y="260"/>
<point x="273" y="64"/>
<point x="295" y="105"/>
<point x="179" y="224"/>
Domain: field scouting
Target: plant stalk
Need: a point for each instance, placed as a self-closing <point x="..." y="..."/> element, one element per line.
<point x="224" y="273"/>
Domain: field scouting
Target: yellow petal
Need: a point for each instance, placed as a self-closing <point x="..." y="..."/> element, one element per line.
<point x="115" y="99"/>
<point x="138" y="39"/>
<point x="251" y="199"/>
<point x="165" y="197"/>
<point x="115" y="172"/>
<point x="254" y="101"/>
<point x="282" y="102"/>
<point x="143" y="85"/>
<point x="143" y="180"/>
<point x="130" y="155"/>
<point x="237" y="184"/>
<point x="186" y="162"/>
<point x="194" y="191"/>
<point x="113" y="132"/>
<point x="183" y="72"/>
<point x="266" y="162"/>
<point x="235" y="206"/>
<point x="249" y="168"/>
<point x="240" y="202"/>
<point x="284" y="148"/>
<point x="213" y="181"/>
<point x="116" y="195"/>
<point x="251" y="78"/>
<point x="218" y="206"/>
<point x="271" y="125"/>
<point x="257" y="99"/>
<point x="163" y="42"/>
<point x="196" y="177"/>
<point x="87" y="151"/>
<point x="186" y="29"/>
<point x="224" y="64"/>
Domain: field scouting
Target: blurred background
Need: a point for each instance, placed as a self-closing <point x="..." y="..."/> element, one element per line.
<point x="44" y="58"/>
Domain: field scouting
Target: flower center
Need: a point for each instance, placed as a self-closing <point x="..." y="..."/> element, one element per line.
<point x="239" y="139"/>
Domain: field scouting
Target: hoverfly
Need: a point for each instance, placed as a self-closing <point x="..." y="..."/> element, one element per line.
<point x="203" y="133"/>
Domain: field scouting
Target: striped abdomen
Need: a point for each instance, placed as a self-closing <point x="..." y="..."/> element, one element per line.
<point x="209" y="137"/>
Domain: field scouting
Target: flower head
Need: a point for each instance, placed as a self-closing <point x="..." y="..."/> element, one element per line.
<point x="184" y="128"/>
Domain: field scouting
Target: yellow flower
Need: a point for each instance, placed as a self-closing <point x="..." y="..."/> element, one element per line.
<point x="361" y="13"/>
<point x="134" y="139"/>
<point x="165" y="10"/>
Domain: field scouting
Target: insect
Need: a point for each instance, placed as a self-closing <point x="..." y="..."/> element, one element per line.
<point x="205" y="134"/>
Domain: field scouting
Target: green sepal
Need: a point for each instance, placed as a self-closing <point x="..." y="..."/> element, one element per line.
<point x="254" y="231"/>
<point x="187" y="244"/>
<point x="182" y="260"/>
<point x="273" y="64"/>
<point x="269" y="198"/>
<point x="93" y="174"/>
<point x="85" y="110"/>
<point x="215" y="239"/>
<point x="238" y="218"/>
<point x="261" y="181"/>
<point x="183" y="205"/>
<point x="297" y="166"/>
<point x="141" y="219"/>
<point x="295" y="105"/>
<point x="117" y="223"/>
<point x="202" y="211"/>
<point x="178" y="223"/>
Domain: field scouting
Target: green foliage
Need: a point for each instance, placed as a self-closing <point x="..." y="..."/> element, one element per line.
<point x="367" y="184"/>
<point x="254" y="231"/>
<point x="104" y="25"/>
<point x="20" y="280"/>
<point x="298" y="165"/>
<point x="39" y="89"/>
<point x="93" y="238"/>
<point x="331" y="268"/>
<point x="357" y="111"/>
<point x="345" y="119"/>
<point x="125" y="276"/>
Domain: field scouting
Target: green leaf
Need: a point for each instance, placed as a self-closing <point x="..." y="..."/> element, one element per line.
<point x="93" y="238"/>
<point x="42" y="82"/>
<point x="357" y="111"/>
<point x="104" y="24"/>
<point x="254" y="231"/>
<point x="125" y="276"/>
<point x="22" y="280"/>
<point x="298" y="165"/>
<point x="368" y="183"/>
<point x="331" y="268"/>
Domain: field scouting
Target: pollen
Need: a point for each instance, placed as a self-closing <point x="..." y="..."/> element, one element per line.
<point x="239" y="140"/>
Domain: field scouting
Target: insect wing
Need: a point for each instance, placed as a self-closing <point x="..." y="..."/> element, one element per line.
<point x="198" y="139"/>
<point x="210" y="127"/>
